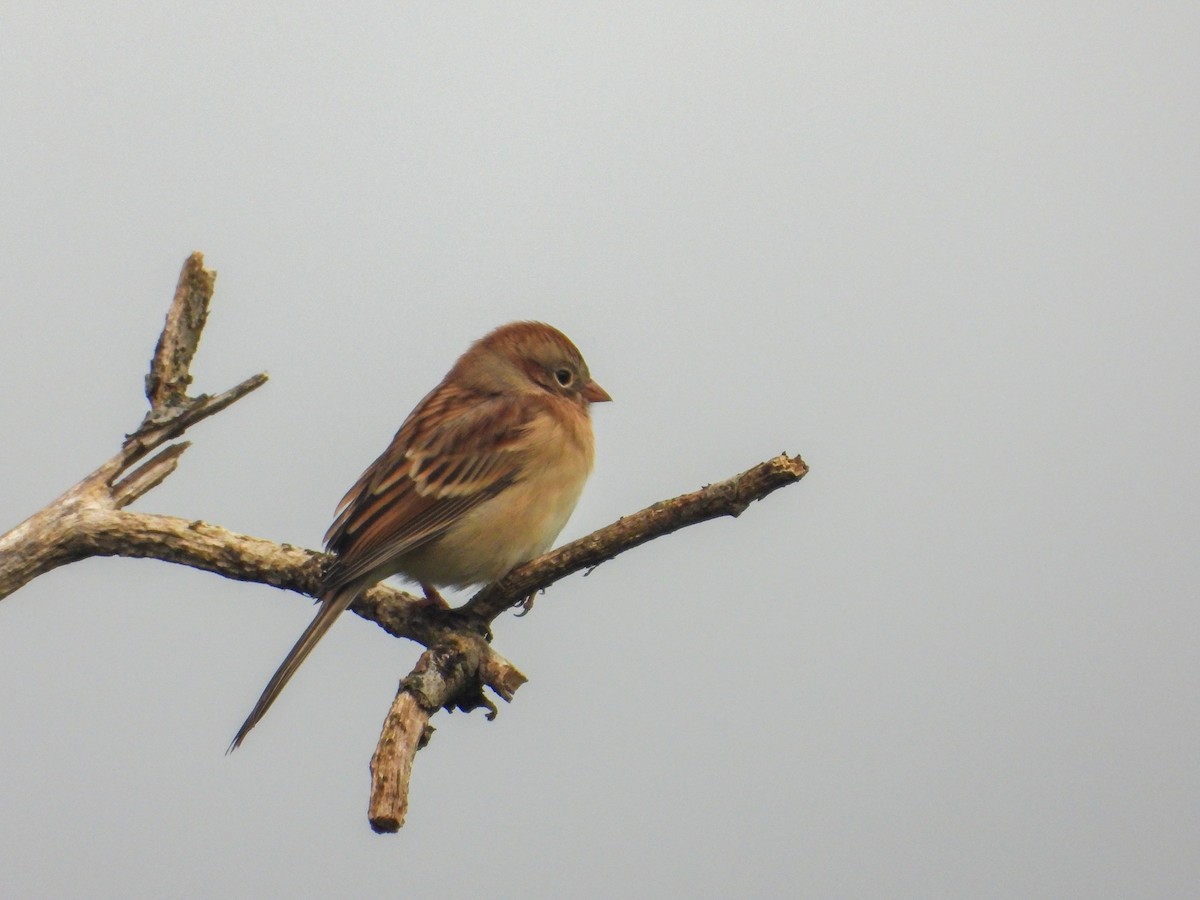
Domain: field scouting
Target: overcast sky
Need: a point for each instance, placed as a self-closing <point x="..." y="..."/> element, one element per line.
<point x="947" y="252"/>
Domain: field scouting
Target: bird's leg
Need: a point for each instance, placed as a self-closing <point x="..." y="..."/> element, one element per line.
<point x="432" y="597"/>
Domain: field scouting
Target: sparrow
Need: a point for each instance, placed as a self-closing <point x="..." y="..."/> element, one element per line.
<point x="481" y="477"/>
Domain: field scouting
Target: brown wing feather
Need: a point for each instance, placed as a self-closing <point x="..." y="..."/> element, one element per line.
<point x="456" y="449"/>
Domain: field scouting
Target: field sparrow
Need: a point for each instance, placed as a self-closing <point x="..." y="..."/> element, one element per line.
<point x="481" y="477"/>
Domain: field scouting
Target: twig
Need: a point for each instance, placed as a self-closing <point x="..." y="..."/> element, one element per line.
<point x="726" y="498"/>
<point x="446" y="675"/>
<point x="169" y="376"/>
<point x="89" y="519"/>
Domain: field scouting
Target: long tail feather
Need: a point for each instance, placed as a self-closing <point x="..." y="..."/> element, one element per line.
<point x="332" y="605"/>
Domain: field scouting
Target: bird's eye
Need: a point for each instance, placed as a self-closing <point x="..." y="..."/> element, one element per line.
<point x="563" y="376"/>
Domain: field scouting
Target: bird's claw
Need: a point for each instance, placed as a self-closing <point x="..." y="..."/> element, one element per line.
<point x="526" y="605"/>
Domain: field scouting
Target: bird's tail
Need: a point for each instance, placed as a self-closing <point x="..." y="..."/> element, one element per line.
<point x="332" y="605"/>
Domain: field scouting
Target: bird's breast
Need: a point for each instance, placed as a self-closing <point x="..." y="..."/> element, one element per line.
<point x="523" y="520"/>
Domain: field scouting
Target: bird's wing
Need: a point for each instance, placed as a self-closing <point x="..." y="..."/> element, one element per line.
<point x="455" y="450"/>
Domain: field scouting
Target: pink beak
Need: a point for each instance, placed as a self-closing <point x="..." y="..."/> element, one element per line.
<point x="593" y="393"/>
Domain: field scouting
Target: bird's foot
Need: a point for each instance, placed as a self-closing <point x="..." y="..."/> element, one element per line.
<point x="526" y="605"/>
<point x="432" y="597"/>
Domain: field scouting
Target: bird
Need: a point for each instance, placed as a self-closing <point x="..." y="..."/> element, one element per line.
<point x="481" y="477"/>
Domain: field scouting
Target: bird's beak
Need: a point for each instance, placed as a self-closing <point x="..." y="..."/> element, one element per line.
<point x="593" y="393"/>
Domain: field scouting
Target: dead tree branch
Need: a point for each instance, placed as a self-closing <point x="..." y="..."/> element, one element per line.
<point x="91" y="519"/>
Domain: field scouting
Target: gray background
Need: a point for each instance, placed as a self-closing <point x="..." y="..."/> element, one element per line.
<point x="948" y="252"/>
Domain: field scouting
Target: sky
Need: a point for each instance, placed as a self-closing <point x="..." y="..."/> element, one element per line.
<point x="946" y="252"/>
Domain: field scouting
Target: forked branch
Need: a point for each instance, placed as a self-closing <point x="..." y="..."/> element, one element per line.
<point x="92" y="519"/>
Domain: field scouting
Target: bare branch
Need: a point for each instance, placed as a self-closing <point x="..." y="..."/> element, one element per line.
<point x="148" y="475"/>
<point x="169" y="376"/>
<point x="446" y="675"/>
<point x="91" y="519"/>
<point x="85" y="520"/>
<point x="726" y="498"/>
<point x="167" y="423"/>
<point x="406" y="730"/>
